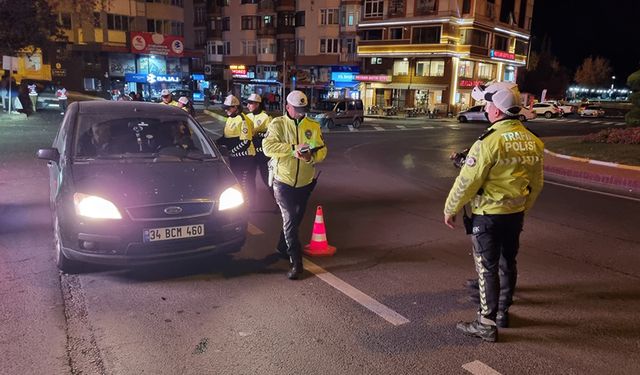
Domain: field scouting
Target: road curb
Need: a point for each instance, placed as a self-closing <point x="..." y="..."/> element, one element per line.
<point x="592" y="161"/>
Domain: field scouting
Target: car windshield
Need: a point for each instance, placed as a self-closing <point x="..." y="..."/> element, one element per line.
<point x="167" y="138"/>
<point x="325" y="106"/>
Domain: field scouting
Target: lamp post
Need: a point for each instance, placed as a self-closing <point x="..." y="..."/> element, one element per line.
<point x="613" y="80"/>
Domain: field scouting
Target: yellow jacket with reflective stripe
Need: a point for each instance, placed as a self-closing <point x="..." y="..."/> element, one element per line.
<point x="172" y="103"/>
<point x="282" y="137"/>
<point x="260" y="122"/>
<point x="502" y="173"/>
<point x="241" y="128"/>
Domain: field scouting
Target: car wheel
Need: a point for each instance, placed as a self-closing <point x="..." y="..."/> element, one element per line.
<point x="548" y="115"/>
<point x="64" y="264"/>
<point x="462" y="119"/>
<point x="356" y="123"/>
<point x="522" y="118"/>
<point x="330" y="124"/>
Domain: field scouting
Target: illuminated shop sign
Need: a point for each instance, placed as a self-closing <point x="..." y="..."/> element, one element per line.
<point x="502" y="54"/>
<point x="157" y="44"/>
<point x="238" y="70"/>
<point x="372" y="78"/>
<point x="197" y="77"/>
<point x="342" y="76"/>
<point x="470" y="83"/>
<point x="151" y="78"/>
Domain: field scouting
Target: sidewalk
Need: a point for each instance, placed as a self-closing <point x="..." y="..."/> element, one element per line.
<point x="593" y="174"/>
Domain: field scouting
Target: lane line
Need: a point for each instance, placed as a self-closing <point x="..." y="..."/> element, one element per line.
<point x="479" y="368"/>
<point x="253" y="230"/>
<point x="592" y="191"/>
<point x="428" y="127"/>
<point x="371" y="304"/>
<point x="351" y="128"/>
<point x="401" y="127"/>
<point x="380" y="128"/>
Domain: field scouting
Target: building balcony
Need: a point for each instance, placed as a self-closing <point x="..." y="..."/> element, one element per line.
<point x="349" y="57"/>
<point x="285" y="30"/>
<point x="266" y="32"/>
<point x="214" y="34"/>
<point x="266" y="6"/>
<point x="283" y="5"/>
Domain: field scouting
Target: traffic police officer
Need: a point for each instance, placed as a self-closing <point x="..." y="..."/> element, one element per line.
<point x="501" y="178"/>
<point x="261" y="121"/>
<point x="238" y="132"/>
<point x="294" y="143"/>
<point x="167" y="98"/>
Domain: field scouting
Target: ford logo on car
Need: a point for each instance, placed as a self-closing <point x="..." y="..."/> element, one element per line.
<point x="173" y="210"/>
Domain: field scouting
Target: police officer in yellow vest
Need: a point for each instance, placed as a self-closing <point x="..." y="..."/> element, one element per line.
<point x="167" y="98"/>
<point x="501" y="178"/>
<point x="261" y="121"/>
<point x="238" y="132"/>
<point x="294" y="143"/>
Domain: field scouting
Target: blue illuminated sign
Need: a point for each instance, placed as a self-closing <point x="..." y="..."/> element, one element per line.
<point x="343" y="76"/>
<point x="150" y="78"/>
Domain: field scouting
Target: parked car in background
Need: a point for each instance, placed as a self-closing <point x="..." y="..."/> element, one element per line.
<point x="592" y="110"/>
<point x="475" y="113"/>
<point x="134" y="183"/>
<point x="548" y="110"/>
<point x="334" y="112"/>
<point x="567" y="109"/>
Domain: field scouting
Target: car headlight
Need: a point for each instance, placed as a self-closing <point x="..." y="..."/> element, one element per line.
<point x="95" y="207"/>
<point x="230" y="198"/>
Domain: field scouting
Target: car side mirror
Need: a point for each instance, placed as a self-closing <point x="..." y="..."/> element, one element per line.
<point x="51" y="154"/>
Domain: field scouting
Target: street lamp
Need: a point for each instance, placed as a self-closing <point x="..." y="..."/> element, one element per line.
<point x="613" y="80"/>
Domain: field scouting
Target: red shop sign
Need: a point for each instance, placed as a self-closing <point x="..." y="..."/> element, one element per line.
<point x="157" y="44"/>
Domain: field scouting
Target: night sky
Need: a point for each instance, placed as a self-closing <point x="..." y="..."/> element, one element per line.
<point x="580" y="28"/>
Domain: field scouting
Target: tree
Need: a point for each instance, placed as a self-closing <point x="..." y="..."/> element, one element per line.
<point x="29" y="23"/>
<point x="545" y="72"/>
<point x="594" y="72"/>
<point x="633" y="116"/>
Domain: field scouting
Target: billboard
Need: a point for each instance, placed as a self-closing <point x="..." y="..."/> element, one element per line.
<point x="157" y="44"/>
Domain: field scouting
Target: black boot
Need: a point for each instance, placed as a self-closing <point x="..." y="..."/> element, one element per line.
<point x="502" y="319"/>
<point x="295" y="270"/>
<point x="471" y="284"/>
<point x="486" y="332"/>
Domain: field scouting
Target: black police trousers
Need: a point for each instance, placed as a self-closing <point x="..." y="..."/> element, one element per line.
<point x="496" y="239"/>
<point x="244" y="168"/>
<point x="262" y="163"/>
<point x="293" y="203"/>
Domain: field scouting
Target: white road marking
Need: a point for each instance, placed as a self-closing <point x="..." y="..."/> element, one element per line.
<point x="351" y="128"/>
<point x="479" y="368"/>
<point x="592" y="191"/>
<point x="401" y="127"/>
<point x="609" y="123"/>
<point x="380" y="128"/>
<point x="253" y="230"/>
<point x="573" y="120"/>
<point x="428" y="127"/>
<point x="374" y="306"/>
<point x="207" y="122"/>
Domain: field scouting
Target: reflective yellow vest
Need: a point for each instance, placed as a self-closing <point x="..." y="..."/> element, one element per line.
<point x="502" y="173"/>
<point x="238" y="129"/>
<point x="282" y="137"/>
<point x="260" y="122"/>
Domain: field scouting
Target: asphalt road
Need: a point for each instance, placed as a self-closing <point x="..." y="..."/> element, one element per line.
<point x="382" y="192"/>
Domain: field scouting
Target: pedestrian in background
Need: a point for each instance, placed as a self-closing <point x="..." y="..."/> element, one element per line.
<point x="33" y="95"/>
<point x="501" y="178"/>
<point x="294" y="143"/>
<point x="61" y="94"/>
<point x="238" y="133"/>
<point x="261" y="121"/>
<point x="186" y="105"/>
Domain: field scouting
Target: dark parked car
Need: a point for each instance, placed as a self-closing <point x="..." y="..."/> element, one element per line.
<point x="137" y="183"/>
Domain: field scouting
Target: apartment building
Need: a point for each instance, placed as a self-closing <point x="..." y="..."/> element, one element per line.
<point x="429" y="54"/>
<point x="259" y="45"/>
<point x="131" y="45"/>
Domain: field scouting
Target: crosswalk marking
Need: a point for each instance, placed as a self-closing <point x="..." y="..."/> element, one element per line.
<point x="401" y="127"/>
<point x="351" y="128"/>
<point x="379" y="128"/>
<point x="479" y="368"/>
<point x="428" y="127"/>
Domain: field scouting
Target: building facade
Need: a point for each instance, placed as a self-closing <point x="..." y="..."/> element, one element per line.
<point x="273" y="46"/>
<point x="428" y="54"/>
<point x="131" y="45"/>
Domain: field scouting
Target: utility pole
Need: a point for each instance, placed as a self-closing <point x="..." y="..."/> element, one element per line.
<point x="284" y="80"/>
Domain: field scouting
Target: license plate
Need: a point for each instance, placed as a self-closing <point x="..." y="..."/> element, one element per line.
<point x="172" y="233"/>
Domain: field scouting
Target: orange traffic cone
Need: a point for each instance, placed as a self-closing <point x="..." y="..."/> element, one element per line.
<point x="319" y="246"/>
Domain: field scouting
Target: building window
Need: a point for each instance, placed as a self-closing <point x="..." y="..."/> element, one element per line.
<point x="201" y="15"/>
<point x="226" y="24"/>
<point x="373" y="8"/>
<point x="329" y="46"/>
<point x="485" y="71"/>
<point x="466" y="6"/>
<point x="395" y="33"/>
<point x="177" y="28"/>
<point x="476" y="38"/>
<point x="200" y="37"/>
<point x="430" y="68"/>
<point x="465" y="69"/>
<point x="500" y="43"/>
<point x="96" y="19"/>
<point x="400" y="68"/>
<point x="329" y="16"/>
<point x="300" y="18"/>
<point x="248" y="23"/>
<point x="64" y="19"/>
<point x="227" y="48"/>
<point x="351" y="19"/>
<point x="396" y="7"/>
<point x="521" y="48"/>
<point x="267" y="21"/>
<point x="375" y="34"/>
<point x="117" y="22"/>
<point x="426" y="35"/>
<point x="220" y="49"/>
<point x="426" y="6"/>
<point x="249" y="47"/>
<point x="300" y="47"/>
<point x="249" y="2"/>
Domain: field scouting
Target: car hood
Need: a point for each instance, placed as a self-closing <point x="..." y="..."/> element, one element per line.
<point x="149" y="183"/>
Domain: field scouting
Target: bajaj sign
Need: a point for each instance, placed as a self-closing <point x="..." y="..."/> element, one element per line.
<point x="150" y="78"/>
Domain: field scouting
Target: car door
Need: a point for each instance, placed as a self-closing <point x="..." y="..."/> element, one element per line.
<point x="477" y="113"/>
<point x="55" y="170"/>
<point x="341" y="113"/>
